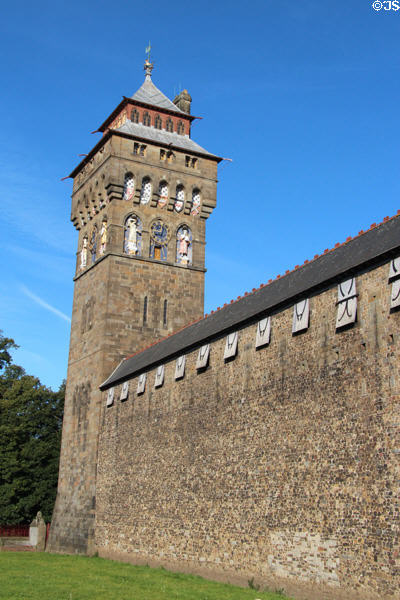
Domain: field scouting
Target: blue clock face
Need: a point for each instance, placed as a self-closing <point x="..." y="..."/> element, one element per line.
<point x="159" y="232"/>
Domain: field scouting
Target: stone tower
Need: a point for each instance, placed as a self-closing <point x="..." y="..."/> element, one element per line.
<point x="140" y="202"/>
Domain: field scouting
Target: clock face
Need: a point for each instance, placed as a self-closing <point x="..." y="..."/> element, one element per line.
<point x="159" y="232"/>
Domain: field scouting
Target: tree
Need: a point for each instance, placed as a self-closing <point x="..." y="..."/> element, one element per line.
<point x="30" y="436"/>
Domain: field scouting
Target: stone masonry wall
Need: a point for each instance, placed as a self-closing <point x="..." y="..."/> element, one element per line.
<point x="282" y="465"/>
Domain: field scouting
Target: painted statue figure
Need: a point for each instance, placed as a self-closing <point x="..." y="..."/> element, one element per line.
<point x="84" y="252"/>
<point x="103" y="237"/>
<point x="132" y="235"/>
<point x="183" y="245"/>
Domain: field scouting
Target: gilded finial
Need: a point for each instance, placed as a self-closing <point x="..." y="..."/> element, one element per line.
<point x="148" y="65"/>
<point x="148" y="50"/>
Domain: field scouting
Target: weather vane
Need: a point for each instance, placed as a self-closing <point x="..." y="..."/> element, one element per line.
<point x="148" y="49"/>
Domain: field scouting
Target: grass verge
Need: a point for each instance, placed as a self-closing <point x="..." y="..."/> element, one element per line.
<point x="40" y="576"/>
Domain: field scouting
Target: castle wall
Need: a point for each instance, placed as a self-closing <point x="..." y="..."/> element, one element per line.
<point x="282" y="464"/>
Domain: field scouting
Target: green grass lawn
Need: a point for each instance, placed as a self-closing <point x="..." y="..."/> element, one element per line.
<point x="40" y="576"/>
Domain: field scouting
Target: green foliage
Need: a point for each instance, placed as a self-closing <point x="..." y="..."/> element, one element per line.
<point x="42" y="576"/>
<point x="5" y="345"/>
<point x="30" y="436"/>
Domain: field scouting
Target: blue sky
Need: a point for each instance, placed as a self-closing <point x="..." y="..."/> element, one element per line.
<point x="303" y="96"/>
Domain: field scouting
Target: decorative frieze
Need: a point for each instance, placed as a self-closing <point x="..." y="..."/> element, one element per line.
<point x="301" y="316"/>
<point x="347" y="303"/>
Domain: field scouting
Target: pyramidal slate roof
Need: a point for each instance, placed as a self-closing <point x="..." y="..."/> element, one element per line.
<point x="375" y="246"/>
<point x="150" y="94"/>
<point x="173" y="139"/>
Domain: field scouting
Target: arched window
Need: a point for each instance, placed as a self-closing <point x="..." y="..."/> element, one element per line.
<point x="181" y="128"/>
<point x="159" y="236"/>
<point x="133" y="235"/>
<point x="169" y="126"/>
<point x="180" y="198"/>
<point x="195" y="203"/>
<point x="163" y="194"/>
<point x="157" y="122"/>
<point x="135" y="116"/>
<point x="93" y="243"/>
<point x="184" y="246"/>
<point x="146" y="119"/>
<point x="145" y="194"/>
<point x="129" y="187"/>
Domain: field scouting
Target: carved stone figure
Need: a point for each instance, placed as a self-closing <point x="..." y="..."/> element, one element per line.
<point x="84" y="252"/>
<point x="103" y="237"/>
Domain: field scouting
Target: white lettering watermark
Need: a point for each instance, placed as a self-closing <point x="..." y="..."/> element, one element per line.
<point x="386" y="5"/>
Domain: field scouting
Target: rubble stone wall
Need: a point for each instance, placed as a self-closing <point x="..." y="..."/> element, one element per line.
<point x="281" y="464"/>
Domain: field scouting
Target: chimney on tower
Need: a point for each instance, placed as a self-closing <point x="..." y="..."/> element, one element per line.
<point x="183" y="101"/>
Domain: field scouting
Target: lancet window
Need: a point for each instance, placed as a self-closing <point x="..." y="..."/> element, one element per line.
<point x="181" y="128"/>
<point x="146" y="119"/>
<point x="157" y="122"/>
<point x="169" y="126"/>
<point x="135" y="116"/>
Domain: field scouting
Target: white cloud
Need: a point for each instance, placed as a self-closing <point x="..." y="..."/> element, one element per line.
<point x="44" y="304"/>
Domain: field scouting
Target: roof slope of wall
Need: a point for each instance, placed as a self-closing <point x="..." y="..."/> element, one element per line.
<point x="378" y="243"/>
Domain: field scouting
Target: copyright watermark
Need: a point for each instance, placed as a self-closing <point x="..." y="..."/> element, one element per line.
<point x="386" y="5"/>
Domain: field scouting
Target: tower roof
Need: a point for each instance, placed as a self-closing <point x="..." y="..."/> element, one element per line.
<point x="174" y="140"/>
<point x="150" y="94"/>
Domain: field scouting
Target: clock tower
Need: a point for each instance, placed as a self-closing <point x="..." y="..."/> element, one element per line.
<point x="140" y="202"/>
